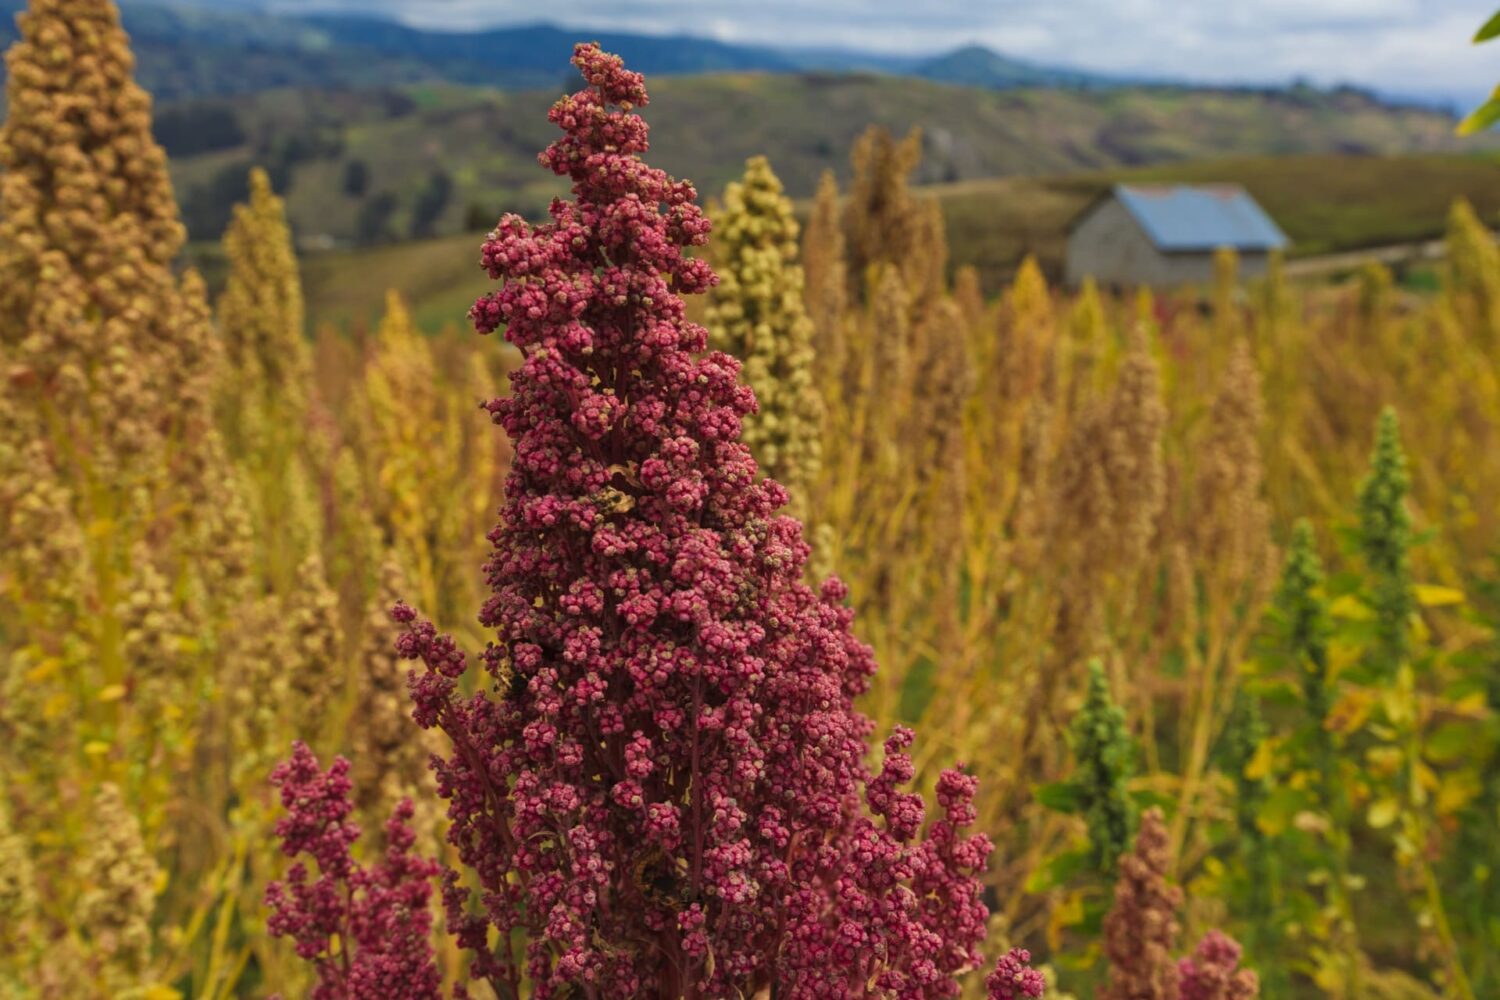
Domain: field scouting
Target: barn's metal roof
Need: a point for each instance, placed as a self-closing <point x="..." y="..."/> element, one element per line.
<point x="1185" y="217"/>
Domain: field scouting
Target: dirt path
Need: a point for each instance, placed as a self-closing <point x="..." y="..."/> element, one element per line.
<point x="1394" y="254"/>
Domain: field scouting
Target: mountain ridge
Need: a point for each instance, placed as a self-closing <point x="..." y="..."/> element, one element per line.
<point x="214" y="48"/>
<point x="980" y="66"/>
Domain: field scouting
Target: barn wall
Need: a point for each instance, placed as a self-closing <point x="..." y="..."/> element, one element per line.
<point x="1109" y="245"/>
<point x="1174" y="270"/>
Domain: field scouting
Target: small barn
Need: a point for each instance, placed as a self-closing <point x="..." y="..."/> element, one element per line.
<point x="1164" y="236"/>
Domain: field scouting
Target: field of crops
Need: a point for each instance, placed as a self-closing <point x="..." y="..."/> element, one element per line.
<point x="760" y="610"/>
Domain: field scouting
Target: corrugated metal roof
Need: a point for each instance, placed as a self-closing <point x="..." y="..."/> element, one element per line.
<point x="1200" y="217"/>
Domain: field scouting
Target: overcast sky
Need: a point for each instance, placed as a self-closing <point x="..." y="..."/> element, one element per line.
<point x="1405" y="46"/>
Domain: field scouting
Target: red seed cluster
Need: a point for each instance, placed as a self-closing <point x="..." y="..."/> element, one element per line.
<point x="660" y="788"/>
<point x="1013" y="979"/>
<point x="365" y="930"/>
<point x="1213" y="972"/>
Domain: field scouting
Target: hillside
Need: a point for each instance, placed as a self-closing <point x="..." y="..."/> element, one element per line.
<point x="1326" y="204"/>
<point x="363" y="167"/>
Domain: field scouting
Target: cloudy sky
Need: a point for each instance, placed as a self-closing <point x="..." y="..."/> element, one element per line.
<point x="1403" y="46"/>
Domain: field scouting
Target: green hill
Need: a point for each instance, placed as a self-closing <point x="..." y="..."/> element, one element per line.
<point x="1325" y="203"/>
<point x="370" y="166"/>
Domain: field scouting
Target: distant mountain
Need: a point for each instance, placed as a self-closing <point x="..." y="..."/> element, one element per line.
<point x="526" y="55"/>
<point x="255" y="6"/>
<point x="194" y="49"/>
<point x="210" y="48"/>
<point x="977" y="66"/>
<point x="215" y="48"/>
<point x="837" y="60"/>
<point x="187" y="52"/>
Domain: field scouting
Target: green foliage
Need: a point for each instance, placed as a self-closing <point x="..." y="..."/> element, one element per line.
<point x="1292" y="809"/>
<point x="1382" y="756"/>
<point x="1488" y="113"/>
<point x="1415" y="785"/>
<point x="1300" y="618"/>
<point x="1384" y="537"/>
<point x="431" y="202"/>
<point x="376" y="217"/>
<point x="1482" y="117"/>
<point x="356" y="178"/>
<point x="198" y="128"/>
<point x="1247" y="733"/>
<point x="1474" y="862"/>
<point x="1101" y="746"/>
<point x="1490" y="29"/>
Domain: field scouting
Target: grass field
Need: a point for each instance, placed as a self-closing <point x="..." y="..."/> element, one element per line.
<point x="347" y="287"/>
<point x="343" y="286"/>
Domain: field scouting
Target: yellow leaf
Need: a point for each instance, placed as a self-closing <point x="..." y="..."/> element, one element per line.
<point x="1432" y="596"/>
<point x="1349" y="606"/>
<point x="1330" y="976"/>
<point x="1383" y="813"/>
<point x="44" y="670"/>
<point x="1343" y="655"/>
<point x="1398" y="707"/>
<point x="1456" y="791"/>
<point x="55" y="706"/>
<point x="1384" y="760"/>
<point x="1350" y="711"/>
<point x="1482" y="117"/>
<point x="1259" y="765"/>
<point x="112" y="693"/>
<point x="96" y="748"/>
<point x="1474" y="703"/>
<point x="1066" y="914"/>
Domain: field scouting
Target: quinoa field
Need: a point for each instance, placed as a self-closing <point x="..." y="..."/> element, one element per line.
<point x="680" y="593"/>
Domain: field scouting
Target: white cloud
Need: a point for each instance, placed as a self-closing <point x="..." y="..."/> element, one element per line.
<point x="1413" y="46"/>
